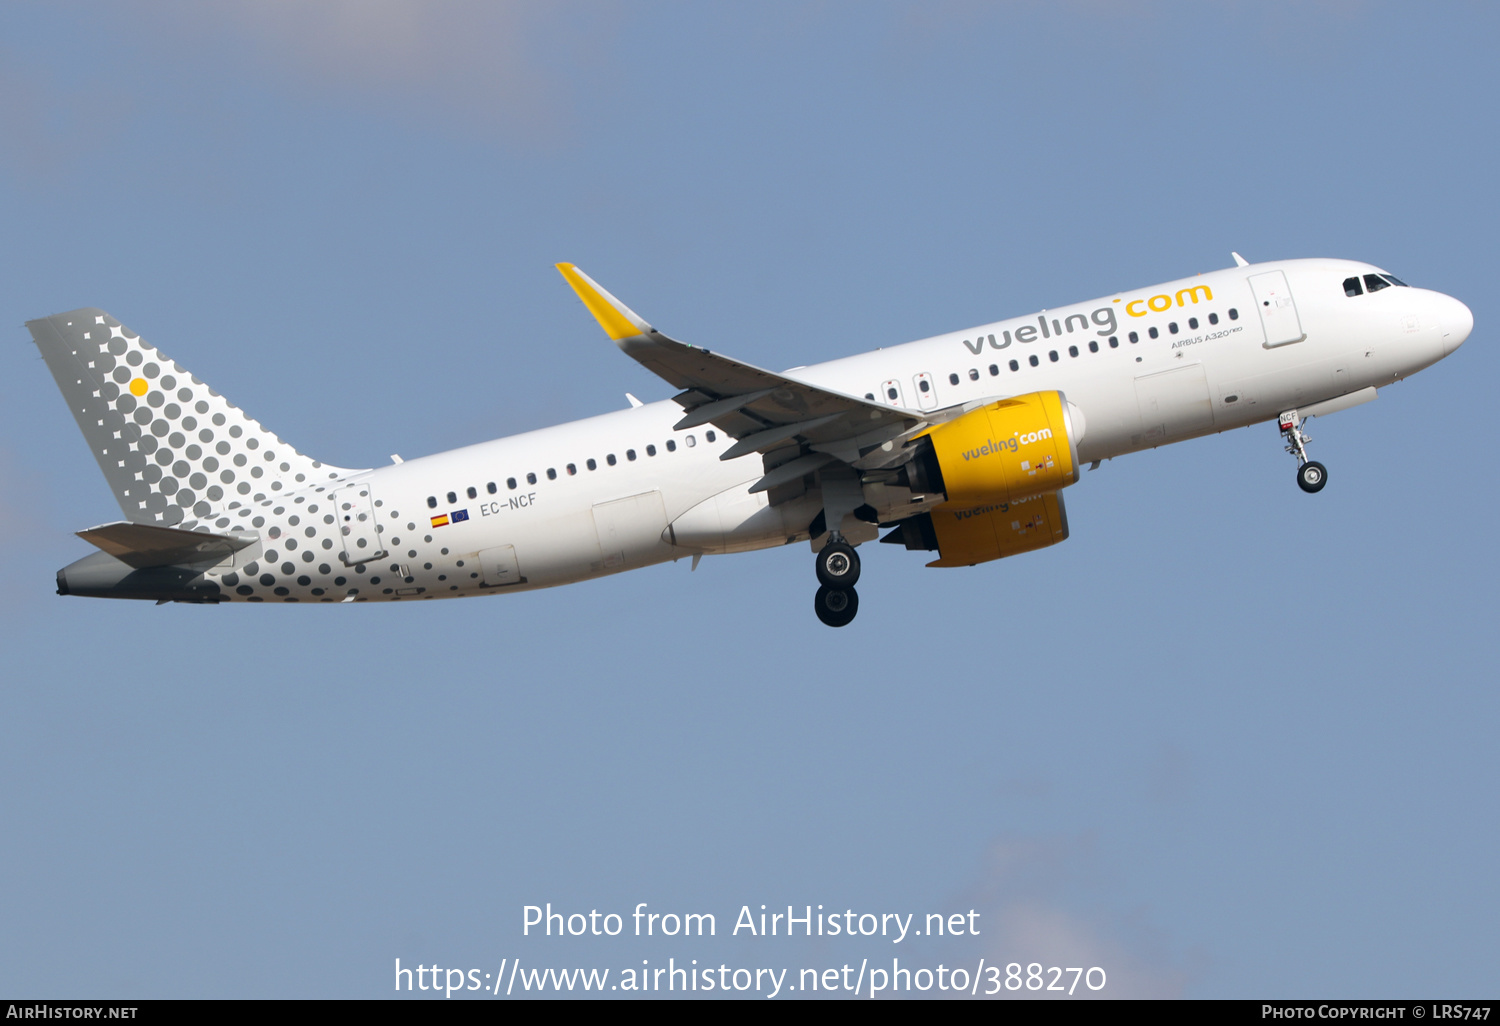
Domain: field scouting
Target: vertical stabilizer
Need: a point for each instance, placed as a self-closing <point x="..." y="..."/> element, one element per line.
<point x="170" y="447"/>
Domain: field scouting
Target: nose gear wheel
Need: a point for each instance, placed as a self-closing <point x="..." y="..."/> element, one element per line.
<point x="1311" y="475"/>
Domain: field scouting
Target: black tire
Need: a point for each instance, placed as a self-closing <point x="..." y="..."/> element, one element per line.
<point x="1312" y="476"/>
<point x="836" y="607"/>
<point x="838" y="565"/>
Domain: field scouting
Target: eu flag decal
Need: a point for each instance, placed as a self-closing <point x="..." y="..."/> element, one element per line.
<point x="457" y="515"/>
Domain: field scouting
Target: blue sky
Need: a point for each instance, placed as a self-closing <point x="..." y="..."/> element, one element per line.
<point x="1228" y="740"/>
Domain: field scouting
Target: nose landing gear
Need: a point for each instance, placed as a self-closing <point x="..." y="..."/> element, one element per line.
<point x="1311" y="475"/>
<point x="837" y="564"/>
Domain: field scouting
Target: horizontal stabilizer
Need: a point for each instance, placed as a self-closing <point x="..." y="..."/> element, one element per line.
<point x="146" y="545"/>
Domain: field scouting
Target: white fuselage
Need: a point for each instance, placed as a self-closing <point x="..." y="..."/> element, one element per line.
<point x="1145" y="367"/>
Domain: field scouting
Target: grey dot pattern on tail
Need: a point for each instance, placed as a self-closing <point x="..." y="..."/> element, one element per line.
<point x="170" y="447"/>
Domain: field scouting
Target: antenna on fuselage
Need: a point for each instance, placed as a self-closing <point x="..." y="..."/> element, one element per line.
<point x="1239" y="261"/>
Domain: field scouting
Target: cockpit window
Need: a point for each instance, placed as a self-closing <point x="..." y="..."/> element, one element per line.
<point x="1375" y="282"/>
<point x="1351" y="287"/>
<point x="1395" y="280"/>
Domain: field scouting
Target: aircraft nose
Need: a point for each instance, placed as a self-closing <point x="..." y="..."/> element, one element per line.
<point x="1456" y="321"/>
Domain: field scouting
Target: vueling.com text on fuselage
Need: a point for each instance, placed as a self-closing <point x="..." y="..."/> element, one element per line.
<point x="1102" y="320"/>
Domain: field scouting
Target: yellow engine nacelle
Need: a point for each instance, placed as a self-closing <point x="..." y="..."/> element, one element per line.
<point x="1000" y="467"/>
<point x="1006" y="451"/>
<point x="968" y="536"/>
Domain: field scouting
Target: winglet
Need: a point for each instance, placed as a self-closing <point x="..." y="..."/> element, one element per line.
<point x="617" y="319"/>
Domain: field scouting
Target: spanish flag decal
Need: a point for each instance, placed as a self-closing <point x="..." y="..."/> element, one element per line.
<point x="440" y="521"/>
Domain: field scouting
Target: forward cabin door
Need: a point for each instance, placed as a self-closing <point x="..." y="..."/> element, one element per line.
<point x="355" y="510"/>
<point x="1278" y="313"/>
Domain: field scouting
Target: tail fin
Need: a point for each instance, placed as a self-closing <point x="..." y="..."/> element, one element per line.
<point x="170" y="447"/>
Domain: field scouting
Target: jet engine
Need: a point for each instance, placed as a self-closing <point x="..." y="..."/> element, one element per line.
<point x="1000" y="468"/>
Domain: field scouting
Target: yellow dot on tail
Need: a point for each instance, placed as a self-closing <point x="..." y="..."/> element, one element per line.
<point x="138" y="386"/>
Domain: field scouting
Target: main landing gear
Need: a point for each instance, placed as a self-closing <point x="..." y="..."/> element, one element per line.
<point x="1311" y="475"/>
<point x="837" y="565"/>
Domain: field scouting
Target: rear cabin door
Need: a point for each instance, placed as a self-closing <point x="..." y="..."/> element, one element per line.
<point x="1278" y="313"/>
<point x="355" y="509"/>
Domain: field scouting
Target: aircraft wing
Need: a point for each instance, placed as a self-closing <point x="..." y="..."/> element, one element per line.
<point x="763" y="411"/>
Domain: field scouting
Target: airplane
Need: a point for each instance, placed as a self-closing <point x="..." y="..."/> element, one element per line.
<point x="960" y="444"/>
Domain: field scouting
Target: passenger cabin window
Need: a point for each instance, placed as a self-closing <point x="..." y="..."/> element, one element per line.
<point x="1014" y="365"/>
<point x="711" y="436"/>
<point x="1134" y="338"/>
<point x="1375" y="282"/>
<point x="591" y="464"/>
<point x="671" y="445"/>
<point x="994" y="370"/>
<point x="1153" y="332"/>
<point x="473" y="492"/>
<point x="571" y="469"/>
<point x="650" y="450"/>
<point x="890" y="394"/>
<point x="691" y="441"/>
<point x="1052" y="356"/>
<point x="531" y="479"/>
<point x="1093" y="346"/>
<point x="1034" y="361"/>
<point x="952" y="380"/>
<point x="432" y="502"/>
<point x="452" y="498"/>
<point x="1114" y="341"/>
<point x="1234" y="314"/>
<point x="1213" y="318"/>
<point x="630" y="455"/>
<point x="610" y="459"/>
<point x="924" y="385"/>
<point x="1351" y="287"/>
<point x="1172" y="327"/>
<point x="510" y="483"/>
<point x="1192" y="324"/>
<point x="1072" y="350"/>
<point x="551" y="473"/>
<point x="491" y="488"/>
<point x="870" y="396"/>
<point x="973" y="374"/>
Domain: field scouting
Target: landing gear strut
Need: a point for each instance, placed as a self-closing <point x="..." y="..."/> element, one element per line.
<point x="837" y="565"/>
<point x="1311" y="475"/>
